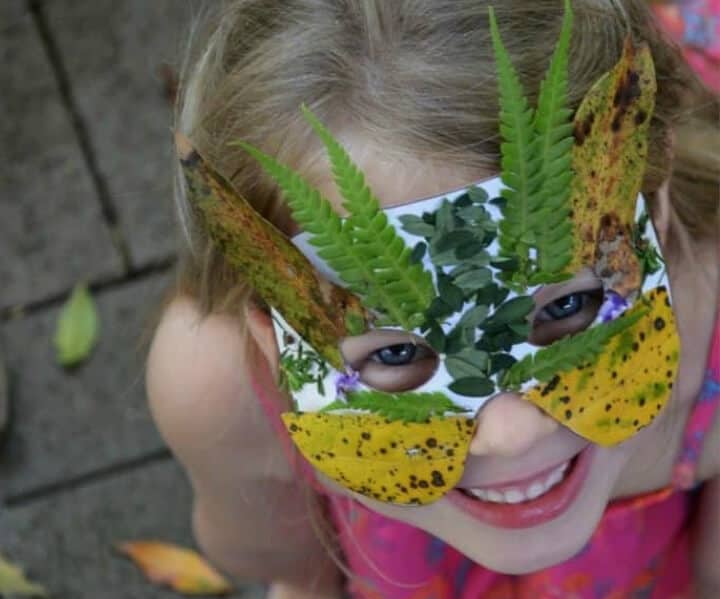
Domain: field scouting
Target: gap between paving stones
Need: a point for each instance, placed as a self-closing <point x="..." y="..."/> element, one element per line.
<point x="55" y="59"/>
<point x="98" y="286"/>
<point x="86" y="479"/>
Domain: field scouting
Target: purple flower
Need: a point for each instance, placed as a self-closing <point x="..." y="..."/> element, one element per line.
<point x="612" y="307"/>
<point x="347" y="381"/>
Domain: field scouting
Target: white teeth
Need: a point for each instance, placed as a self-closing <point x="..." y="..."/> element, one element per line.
<point x="535" y="490"/>
<point x="517" y="495"/>
<point x="514" y="496"/>
<point x="494" y="495"/>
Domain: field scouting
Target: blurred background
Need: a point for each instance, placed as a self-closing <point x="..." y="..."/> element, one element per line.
<point x="86" y="92"/>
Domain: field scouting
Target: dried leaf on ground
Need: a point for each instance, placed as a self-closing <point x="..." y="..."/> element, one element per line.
<point x="13" y="582"/>
<point x="77" y="327"/>
<point x="179" y="568"/>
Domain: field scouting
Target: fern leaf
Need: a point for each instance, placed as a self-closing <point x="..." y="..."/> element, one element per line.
<point x="368" y="228"/>
<point x="554" y="142"/>
<point x="568" y="353"/>
<point x="408" y="407"/>
<point x="315" y="214"/>
<point x="519" y="166"/>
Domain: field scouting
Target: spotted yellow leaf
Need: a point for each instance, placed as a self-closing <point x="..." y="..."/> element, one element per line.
<point x="610" y="129"/>
<point x="406" y="463"/>
<point x="181" y="569"/>
<point x="612" y="399"/>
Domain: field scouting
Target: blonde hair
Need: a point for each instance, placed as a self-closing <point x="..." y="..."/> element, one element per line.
<point x="416" y="76"/>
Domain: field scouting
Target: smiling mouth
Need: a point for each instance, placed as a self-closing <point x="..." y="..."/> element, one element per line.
<point x="524" y="491"/>
<point x="533" y="501"/>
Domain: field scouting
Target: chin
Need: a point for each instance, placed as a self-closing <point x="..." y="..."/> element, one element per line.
<point x="539" y="550"/>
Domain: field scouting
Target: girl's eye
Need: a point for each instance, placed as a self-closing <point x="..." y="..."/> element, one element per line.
<point x="566" y="306"/>
<point x="396" y="355"/>
<point x="565" y="315"/>
<point x="397" y="366"/>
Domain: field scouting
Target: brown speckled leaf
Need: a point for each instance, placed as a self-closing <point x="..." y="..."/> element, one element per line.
<point x="406" y="463"/>
<point x="609" y="155"/>
<point x="612" y="399"/>
<point x="316" y="308"/>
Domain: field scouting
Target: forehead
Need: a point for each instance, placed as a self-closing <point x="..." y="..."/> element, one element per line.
<point x="395" y="178"/>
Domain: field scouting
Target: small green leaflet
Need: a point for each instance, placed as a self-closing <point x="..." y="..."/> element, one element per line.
<point x="650" y="260"/>
<point x="409" y="407"/>
<point x="567" y="353"/>
<point x="14" y="582"/>
<point x="468" y="363"/>
<point x="473" y="386"/>
<point x="77" y="327"/>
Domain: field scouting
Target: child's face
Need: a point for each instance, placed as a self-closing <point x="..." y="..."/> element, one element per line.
<point x="534" y="479"/>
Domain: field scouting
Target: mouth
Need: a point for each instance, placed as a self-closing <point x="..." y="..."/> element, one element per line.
<point x="530" y="502"/>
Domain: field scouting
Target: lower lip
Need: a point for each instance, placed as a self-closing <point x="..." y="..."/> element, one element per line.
<point x="535" y="511"/>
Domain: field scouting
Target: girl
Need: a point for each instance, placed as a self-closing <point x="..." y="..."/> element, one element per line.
<point x="543" y="508"/>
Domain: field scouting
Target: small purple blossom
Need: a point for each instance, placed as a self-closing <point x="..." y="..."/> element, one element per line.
<point x="612" y="307"/>
<point x="347" y="381"/>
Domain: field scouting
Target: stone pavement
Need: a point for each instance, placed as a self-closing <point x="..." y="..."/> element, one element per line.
<point x="85" y="195"/>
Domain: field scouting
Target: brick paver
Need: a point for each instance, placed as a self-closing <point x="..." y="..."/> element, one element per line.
<point x="68" y="423"/>
<point x="66" y="541"/>
<point x="51" y="229"/>
<point x="114" y="53"/>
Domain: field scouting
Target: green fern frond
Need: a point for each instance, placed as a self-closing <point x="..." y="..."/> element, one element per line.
<point x="410" y="286"/>
<point x="568" y="353"/>
<point x="315" y="214"/>
<point x="536" y="164"/>
<point x="409" y="407"/>
<point x="553" y="129"/>
<point x="520" y="167"/>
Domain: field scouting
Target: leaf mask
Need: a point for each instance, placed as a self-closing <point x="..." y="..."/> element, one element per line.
<point x="459" y="271"/>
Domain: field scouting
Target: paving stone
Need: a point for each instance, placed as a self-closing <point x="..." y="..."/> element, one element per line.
<point x="114" y="54"/>
<point x="11" y="13"/>
<point x="51" y="229"/>
<point x="68" y="423"/>
<point x="65" y="541"/>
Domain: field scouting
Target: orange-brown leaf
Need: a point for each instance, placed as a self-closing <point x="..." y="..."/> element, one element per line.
<point x="181" y="569"/>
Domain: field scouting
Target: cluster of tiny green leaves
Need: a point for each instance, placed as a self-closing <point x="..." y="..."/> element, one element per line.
<point x="301" y="367"/>
<point x="536" y="156"/>
<point x="364" y="249"/>
<point x="650" y="260"/>
<point x="570" y="352"/>
<point x="457" y="236"/>
<point x="408" y="407"/>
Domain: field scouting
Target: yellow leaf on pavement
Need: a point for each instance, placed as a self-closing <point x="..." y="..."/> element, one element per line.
<point x="179" y="568"/>
<point x="13" y="582"/>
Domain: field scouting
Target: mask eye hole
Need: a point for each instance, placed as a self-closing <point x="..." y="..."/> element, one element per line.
<point x="565" y="315"/>
<point x="390" y="361"/>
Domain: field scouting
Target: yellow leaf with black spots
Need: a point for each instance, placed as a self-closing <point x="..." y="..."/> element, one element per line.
<point x="609" y="155"/>
<point x="406" y="463"/>
<point x="626" y="388"/>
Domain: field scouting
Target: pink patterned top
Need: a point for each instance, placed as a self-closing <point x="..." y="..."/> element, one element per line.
<point x="640" y="549"/>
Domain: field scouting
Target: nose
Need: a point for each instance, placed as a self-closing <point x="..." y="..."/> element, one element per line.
<point x="509" y="426"/>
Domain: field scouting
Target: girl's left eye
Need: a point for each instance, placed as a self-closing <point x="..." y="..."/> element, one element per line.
<point x="564" y="307"/>
<point x="565" y="315"/>
<point x="399" y="354"/>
